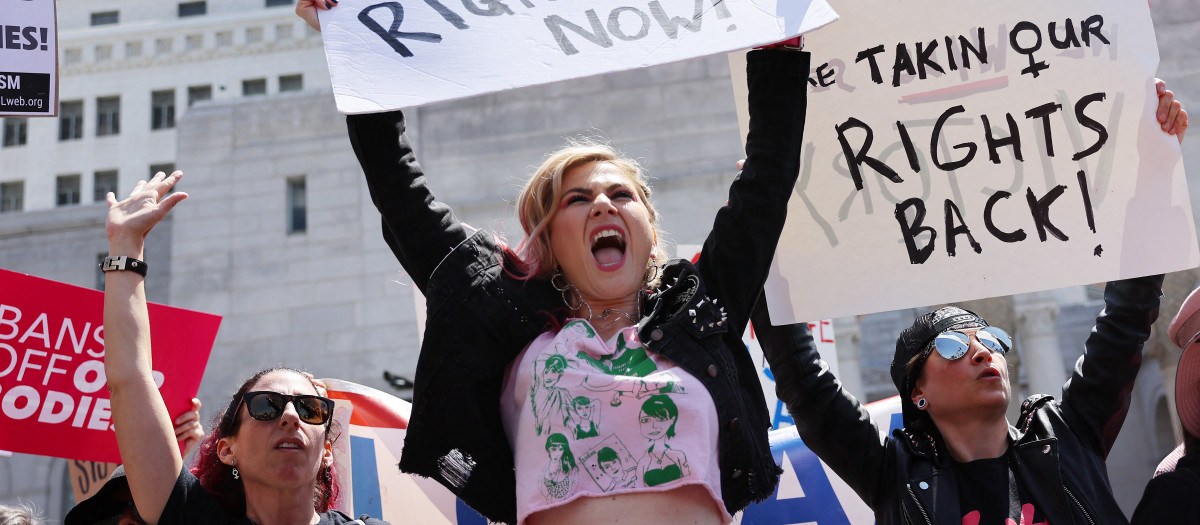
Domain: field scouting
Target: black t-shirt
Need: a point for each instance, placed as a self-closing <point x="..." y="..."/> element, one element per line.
<point x="190" y="503"/>
<point x="989" y="494"/>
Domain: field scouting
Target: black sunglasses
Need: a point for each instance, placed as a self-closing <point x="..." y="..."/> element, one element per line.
<point x="266" y="406"/>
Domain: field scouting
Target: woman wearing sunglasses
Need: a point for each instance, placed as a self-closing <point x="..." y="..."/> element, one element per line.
<point x="958" y="460"/>
<point x="267" y="462"/>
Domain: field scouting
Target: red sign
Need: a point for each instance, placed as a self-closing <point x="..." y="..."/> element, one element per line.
<point x="53" y="391"/>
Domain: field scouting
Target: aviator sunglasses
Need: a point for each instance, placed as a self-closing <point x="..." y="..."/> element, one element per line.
<point x="953" y="344"/>
<point x="267" y="406"/>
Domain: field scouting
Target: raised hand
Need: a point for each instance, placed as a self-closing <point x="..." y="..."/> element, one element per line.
<point x="131" y="219"/>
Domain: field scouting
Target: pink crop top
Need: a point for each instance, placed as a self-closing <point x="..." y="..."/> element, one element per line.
<point x="588" y="417"/>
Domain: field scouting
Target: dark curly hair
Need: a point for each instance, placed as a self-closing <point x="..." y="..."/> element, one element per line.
<point x="217" y="477"/>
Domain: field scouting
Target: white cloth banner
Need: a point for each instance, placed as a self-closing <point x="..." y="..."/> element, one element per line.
<point x="402" y="53"/>
<point x="28" y="59"/>
<point x="971" y="149"/>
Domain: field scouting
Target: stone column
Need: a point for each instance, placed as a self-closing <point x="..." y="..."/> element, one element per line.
<point x="1038" y="344"/>
<point x="847" y="333"/>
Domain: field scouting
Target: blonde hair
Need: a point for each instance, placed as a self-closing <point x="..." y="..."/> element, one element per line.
<point x="538" y="200"/>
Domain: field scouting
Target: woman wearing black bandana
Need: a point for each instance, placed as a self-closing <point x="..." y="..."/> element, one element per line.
<point x="958" y="459"/>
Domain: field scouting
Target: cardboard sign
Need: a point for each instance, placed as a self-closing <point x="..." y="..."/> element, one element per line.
<point x="53" y="393"/>
<point x="369" y="482"/>
<point x="993" y="149"/>
<point x="88" y="476"/>
<point x="29" y="59"/>
<point x="401" y="53"/>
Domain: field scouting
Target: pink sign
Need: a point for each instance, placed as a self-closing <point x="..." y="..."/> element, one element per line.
<point x="53" y="391"/>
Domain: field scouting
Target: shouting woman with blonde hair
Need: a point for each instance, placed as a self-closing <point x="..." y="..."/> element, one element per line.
<point x="588" y="305"/>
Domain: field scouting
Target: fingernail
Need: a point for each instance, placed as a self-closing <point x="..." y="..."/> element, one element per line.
<point x="328" y="5"/>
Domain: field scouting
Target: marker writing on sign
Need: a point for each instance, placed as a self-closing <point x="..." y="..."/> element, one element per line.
<point x="625" y="23"/>
<point x="24" y="37"/>
<point x="1039" y="211"/>
<point x="861" y="156"/>
<point x="1024" y="38"/>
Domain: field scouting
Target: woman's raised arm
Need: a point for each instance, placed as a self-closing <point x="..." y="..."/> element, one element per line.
<point x="145" y="432"/>
<point x="739" y="250"/>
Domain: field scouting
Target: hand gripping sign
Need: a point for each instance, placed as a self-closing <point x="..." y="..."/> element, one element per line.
<point x="400" y="53"/>
<point x="971" y="149"/>
<point x="53" y="393"/>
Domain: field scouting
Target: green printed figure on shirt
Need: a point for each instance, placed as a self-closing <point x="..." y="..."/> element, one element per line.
<point x="624" y="362"/>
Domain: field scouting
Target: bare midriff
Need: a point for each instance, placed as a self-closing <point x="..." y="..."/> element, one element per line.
<point x="686" y="505"/>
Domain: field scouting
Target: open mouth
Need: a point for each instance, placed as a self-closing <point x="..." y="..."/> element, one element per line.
<point x="608" y="247"/>
<point x="989" y="373"/>
<point x="290" y="444"/>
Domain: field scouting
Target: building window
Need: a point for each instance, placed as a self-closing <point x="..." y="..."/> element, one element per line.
<point x="12" y="196"/>
<point x="162" y="109"/>
<point x="291" y="83"/>
<point x="102" y="183"/>
<point x="66" y="190"/>
<point x="133" y="49"/>
<point x="224" y="38"/>
<point x="104" y="18"/>
<point x="70" y="120"/>
<point x="72" y="56"/>
<point x="199" y="94"/>
<point x="99" y="271"/>
<point x="254" y="35"/>
<point x="163" y="46"/>
<point x="277" y="3"/>
<point x="108" y="116"/>
<point x="165" y="167"/>
<point x="16" y="131"/>
<point x="193" y="42"/>
<point x="283" y="32"/>
<point x="192" y="8"/>
<point x="103" y="52"/>
<point x="254" y="86"/>
<point x="297" y="209"/>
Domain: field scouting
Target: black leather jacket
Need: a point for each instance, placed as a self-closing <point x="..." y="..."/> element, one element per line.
<point x="1059" y="446"/>
<point x="480" y="317"/>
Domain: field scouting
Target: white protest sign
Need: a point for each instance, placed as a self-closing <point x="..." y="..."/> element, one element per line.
<point x="28" y="59"/>
<point x="402" y="53"/>
<point x="970" y="149"/>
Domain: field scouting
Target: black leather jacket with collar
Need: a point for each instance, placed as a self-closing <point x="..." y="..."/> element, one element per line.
<point x="1059" y="446"/>
<point x="480" y="317"/>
